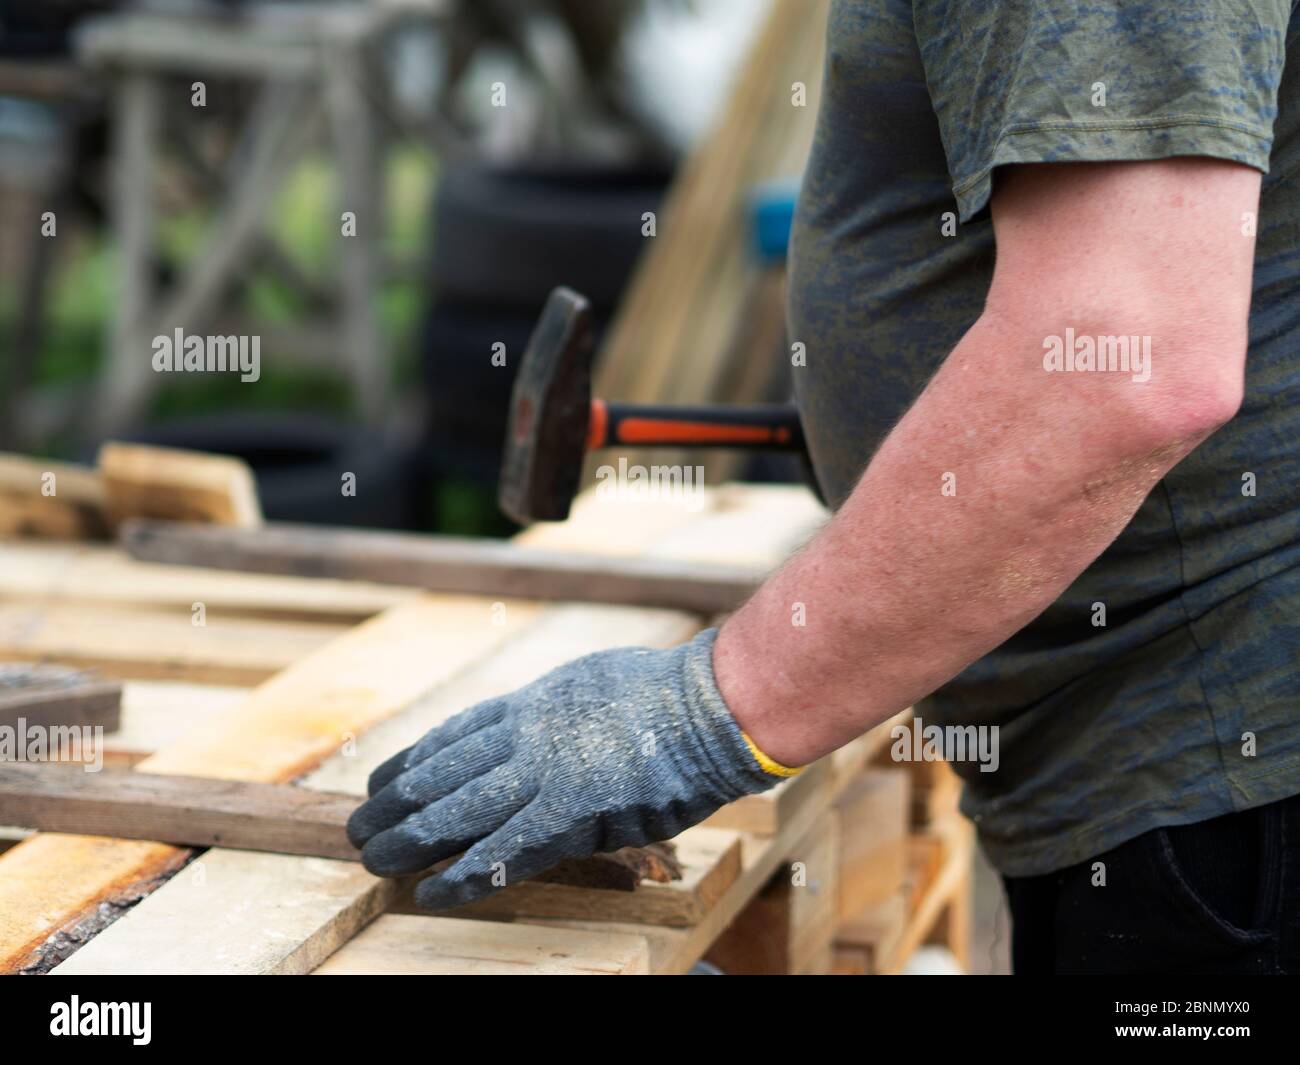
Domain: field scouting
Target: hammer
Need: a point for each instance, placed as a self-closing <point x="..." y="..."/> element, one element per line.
<point x="555" y="421"/>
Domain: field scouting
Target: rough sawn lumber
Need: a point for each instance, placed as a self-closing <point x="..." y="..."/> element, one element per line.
<point x="316" y="905"/>
<point x="445" y="564"/>
<point x="246" y="815"/>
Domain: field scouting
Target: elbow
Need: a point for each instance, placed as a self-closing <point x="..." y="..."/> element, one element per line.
<point x="1171" y="380"/>
<point x="1198" y="391"/>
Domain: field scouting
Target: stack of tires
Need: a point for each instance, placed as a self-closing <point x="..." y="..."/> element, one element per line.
<point x="309" y="469"/>
<point x="503" y="238"/>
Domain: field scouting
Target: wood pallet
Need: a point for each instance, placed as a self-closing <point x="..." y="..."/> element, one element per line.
<point x="342" y="706"/>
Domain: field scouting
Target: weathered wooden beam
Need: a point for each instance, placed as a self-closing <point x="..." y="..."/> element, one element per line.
<point x="184" y="810"/>
<point x="244" y="815"/>
<point x="446" y="564"/>
<point x="45" y="696"/>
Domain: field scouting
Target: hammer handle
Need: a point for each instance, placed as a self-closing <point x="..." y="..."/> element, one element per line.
<point x="767" y="427"/>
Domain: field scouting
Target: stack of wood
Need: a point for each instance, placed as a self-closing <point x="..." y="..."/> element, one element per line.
<point x="772" y="869"/>
<point x="920" y="892"/>
<point x="869" y="883"/>
<point x="44" y="499"/>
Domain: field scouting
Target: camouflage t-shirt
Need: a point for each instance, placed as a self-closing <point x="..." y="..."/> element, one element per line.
<point x="1185" y="704"/>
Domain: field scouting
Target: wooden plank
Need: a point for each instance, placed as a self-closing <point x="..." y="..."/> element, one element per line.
<point x="710" y="857"/>
<point x="870" y="941"/>
<point x="789" y="926"/>
<point x="953" y="879"/>
<point x="39" y="497"/>
<point x="156" y="714"/>
<point x="396" y="945"/>
<point x="156" y="644"/>
<point x="95" y="573"/>
<point x="445" y="564"/>
<point x="933" y="905"/>
<point x="873" y="814"/>
<point x="46" y="697"/>
<point x="675" y="950"/>
<point x="936" y="788"/>
<point x="316" y="905"/>
<point x="184" y="810"/>
<point x="248" y="815"/>
<point x="767" y="812"/>
<point x="55" y="890"/>
<point x="156" y="482"/>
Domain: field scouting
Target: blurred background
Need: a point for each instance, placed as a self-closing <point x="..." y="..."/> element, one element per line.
<point x="176" y="163"/>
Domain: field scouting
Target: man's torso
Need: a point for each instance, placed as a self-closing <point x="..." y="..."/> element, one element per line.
<point x="1106" y="730"/>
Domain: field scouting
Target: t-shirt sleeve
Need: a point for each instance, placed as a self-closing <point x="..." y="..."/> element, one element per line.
<point x="1035" y="81"/>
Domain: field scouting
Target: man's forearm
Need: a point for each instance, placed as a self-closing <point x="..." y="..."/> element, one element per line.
<point x="910" y="583"/>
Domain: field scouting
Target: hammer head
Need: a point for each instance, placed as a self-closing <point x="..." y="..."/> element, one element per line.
<point x="550" y="409"/>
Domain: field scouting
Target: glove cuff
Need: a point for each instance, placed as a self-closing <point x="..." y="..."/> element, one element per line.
<point x="767" y="763"/>
<point x="738" y="763"/>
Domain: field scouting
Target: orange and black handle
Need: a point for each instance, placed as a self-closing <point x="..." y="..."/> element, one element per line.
<point x="765" y="427"/>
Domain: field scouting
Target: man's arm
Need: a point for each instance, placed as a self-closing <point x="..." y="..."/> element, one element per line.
<point x="907" y="585"/>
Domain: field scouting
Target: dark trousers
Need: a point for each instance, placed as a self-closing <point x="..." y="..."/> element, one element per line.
<point x="1219" y="896"/>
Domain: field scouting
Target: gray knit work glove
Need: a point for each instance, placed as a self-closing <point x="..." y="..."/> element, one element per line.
<point x="617" y="749"/>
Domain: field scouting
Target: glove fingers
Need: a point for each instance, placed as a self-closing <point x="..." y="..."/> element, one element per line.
<point x="480" y="716"/>
<point x="528" y="844"/>
<point x="435" y="778"/>
<point x="448" y="826"/>
<point x="389" y="768"/>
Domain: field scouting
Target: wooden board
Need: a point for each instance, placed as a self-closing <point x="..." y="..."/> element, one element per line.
<point x="868" y="944"/>
<point x="711" y="860"/>
<point x="933" y="905"/>
<point x="873" y="814"/>
<point x="99" y="573"/>
<point x="396" y="945"/>
<point x="46" y="697"/>
<point x="277" y="818"/>
<point x="156" y="714"/>
<point x="157" y="482"/>
<point x="788" y="928"/>
<point x="74" y="511"/>
<point x="187" y="811"/>
<point x="158" y="644"/>
<point x="446" y="564"/>
<point x="55" y="890"/>
<point x="316" y="905"/>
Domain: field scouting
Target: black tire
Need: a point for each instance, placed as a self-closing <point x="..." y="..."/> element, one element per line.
<point x="468" y="399"/>
<point x="505" y="238"/>
<point x="299" y="462"/>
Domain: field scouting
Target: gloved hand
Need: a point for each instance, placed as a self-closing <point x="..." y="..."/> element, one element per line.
<point x="617" y="749"/>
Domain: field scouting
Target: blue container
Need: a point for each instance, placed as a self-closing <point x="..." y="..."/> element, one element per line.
<point x="771" y="212"/>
